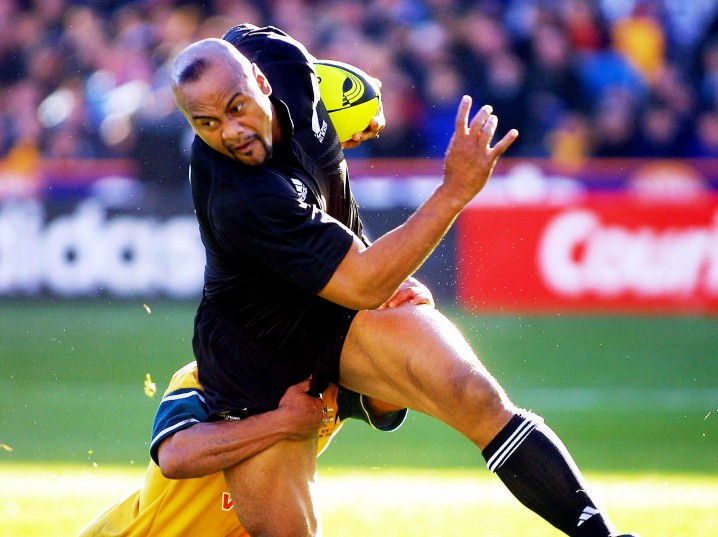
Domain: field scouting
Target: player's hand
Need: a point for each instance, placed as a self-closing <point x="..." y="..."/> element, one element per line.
<point x="304" y="412"/>
<point x="376" y="125"/>
<point x="412" y="291"/>
<point x="470" y="159"/>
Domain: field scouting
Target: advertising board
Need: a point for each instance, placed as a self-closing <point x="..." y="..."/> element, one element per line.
<point x="608" y="252"/>
<point x="604" y="237"/>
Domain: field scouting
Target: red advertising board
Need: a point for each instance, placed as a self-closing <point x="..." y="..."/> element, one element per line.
<point x="605" y="252"/>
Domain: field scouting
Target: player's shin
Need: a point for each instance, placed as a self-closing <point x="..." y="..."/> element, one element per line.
<point x="537" y="468"/>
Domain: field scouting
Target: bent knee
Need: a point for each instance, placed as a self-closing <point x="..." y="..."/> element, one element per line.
<point x="479" y="409"/>
<point x="479" y="398"/>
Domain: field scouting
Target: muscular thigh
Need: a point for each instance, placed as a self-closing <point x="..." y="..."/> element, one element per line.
<point x="414" y="356"/>
<point x="272" y="491"/>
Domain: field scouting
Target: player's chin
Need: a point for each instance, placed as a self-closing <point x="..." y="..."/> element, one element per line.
<point x="252" y="160"/>
<point x="256" y="157"/>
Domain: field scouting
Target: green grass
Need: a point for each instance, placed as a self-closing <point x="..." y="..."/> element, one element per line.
<point x="72" y="376"/>
<point x="626" y="394"/>
<point x="390" y="503"/>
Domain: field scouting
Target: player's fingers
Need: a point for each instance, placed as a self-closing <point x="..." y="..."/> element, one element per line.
<point x="376" y="126"/>
<point x="505" y="142"/>
<point x="479" y="121"/>
<point x="462" y="115"/>
<point x="401" y="296"/>
<point x="421" y="299"/>
<point x="350" y="144"/>
<point x="488" y="129"/>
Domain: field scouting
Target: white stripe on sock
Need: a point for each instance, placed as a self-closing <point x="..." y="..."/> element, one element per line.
<point x="511" y="444"/>
<point x="587" y="513"/>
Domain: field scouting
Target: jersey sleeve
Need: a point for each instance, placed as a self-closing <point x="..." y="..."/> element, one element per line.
<point x="182" y="406"/>
<point x="301" y="243"/>
<point x="353" y="405"/>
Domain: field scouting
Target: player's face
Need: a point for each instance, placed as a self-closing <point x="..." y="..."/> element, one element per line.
<point x="230" y="110"/>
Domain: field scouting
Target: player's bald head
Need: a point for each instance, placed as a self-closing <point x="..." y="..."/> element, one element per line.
<point x="199" y="58"/>
<point x="225" y="99"/>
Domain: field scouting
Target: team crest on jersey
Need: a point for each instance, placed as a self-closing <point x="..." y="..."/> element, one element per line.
<point x="329" y="422"/>
<point x="227" y="502"/>
<point x="321" y="132"/>
<point x="319" y="129"/>
<point x="301" y="189"/>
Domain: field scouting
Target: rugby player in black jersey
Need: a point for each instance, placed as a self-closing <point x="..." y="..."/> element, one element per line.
<point x="291" y="290"/>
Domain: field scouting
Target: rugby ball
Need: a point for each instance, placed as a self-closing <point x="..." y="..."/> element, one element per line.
<point x="349" y="94"/>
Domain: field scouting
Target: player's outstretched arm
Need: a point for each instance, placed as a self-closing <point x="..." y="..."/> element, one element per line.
<point x="368" y="276"/>
<point x="207" y="448"/>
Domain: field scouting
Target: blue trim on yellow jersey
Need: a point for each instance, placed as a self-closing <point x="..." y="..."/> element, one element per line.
<point x="178" y="410"/>
<point x="184" y="404"/>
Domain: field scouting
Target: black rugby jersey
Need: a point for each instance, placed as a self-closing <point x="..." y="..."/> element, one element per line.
<point x="269" y="245"/>
<point x="274" y="235"/>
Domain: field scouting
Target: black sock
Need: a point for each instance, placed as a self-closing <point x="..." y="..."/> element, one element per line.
<point x="537" y="468"/>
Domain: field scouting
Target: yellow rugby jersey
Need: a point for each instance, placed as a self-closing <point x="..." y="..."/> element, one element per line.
<point x="166" y="507"/>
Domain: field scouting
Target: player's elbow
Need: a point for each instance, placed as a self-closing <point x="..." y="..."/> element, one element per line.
<point x="170" y="472"/>
<point x="176" y="468"/>
<point x="172" y="463"/>
<point x="171" y="468"/>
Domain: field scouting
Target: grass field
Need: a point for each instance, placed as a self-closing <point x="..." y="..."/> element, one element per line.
<point x="56" y="500"/>
<point x="634" y="398"/>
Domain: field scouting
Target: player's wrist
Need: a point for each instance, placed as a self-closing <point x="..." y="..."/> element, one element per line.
<point x="452" y="198"/>
<point x="297" y="424"/>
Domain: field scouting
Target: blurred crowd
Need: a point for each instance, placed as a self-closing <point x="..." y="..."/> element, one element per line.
<point x="578" y="78"/>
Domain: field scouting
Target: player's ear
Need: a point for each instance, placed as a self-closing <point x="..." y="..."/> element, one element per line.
<point x="261" y="80"/>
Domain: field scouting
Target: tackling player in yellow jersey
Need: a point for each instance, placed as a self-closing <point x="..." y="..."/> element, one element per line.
<point x="184" y="445"/>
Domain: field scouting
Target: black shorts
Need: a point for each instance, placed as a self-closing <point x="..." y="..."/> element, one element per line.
<point x="243" y="375"/>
